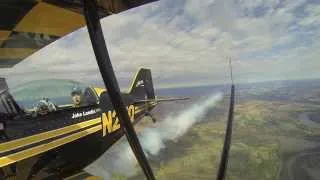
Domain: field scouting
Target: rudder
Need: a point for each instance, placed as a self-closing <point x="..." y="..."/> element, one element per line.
<point x="142" y="86"/>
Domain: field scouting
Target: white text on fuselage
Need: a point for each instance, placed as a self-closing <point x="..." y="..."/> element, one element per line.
<point x="84" y="113"/>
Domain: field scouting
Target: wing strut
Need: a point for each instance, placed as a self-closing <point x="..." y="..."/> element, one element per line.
<point x="227" y="138"/>
<point x="110" y="81"/>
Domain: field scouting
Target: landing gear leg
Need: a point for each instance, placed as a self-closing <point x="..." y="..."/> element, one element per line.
<point x="154" y="120"/>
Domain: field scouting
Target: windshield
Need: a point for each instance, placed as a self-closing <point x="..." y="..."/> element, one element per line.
<point x="59" y="92"/>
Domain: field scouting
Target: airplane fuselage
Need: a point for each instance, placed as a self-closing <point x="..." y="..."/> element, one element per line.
<point x="63" y="142"/>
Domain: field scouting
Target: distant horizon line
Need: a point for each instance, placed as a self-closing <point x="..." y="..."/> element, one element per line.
<point x="173" y="85"/>
<point x="240" y="83"/>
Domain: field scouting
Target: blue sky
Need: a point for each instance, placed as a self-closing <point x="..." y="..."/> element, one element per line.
<point x="185" y="42"/>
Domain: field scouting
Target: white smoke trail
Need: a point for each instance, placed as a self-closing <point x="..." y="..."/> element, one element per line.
<point x="119" y="159"/>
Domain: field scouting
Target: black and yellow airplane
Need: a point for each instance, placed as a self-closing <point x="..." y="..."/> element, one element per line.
<point x="41" y="126"/>
<point x="52" y="129"/>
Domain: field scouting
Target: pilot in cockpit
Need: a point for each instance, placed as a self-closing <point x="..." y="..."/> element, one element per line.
<point x="45" y="106"/>
<point x="77" y="98"/>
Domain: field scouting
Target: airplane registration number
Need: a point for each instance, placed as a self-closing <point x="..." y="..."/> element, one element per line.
<point x="110" y="121"/>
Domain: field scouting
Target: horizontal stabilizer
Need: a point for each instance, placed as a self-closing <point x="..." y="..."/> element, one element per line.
<point x="162" y="99"/>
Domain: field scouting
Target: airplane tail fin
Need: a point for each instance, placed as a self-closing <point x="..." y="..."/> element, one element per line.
<point x="142" y="86"/>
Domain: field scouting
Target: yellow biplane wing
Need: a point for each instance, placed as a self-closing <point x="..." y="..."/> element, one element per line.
<point x="28" y="25"/>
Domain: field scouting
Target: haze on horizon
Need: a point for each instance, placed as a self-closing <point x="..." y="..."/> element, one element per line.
<point x="185" y="43"/>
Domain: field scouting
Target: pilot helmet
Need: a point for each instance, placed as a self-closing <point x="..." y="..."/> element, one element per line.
<point x="43" y="107"/>
<point x="76" y="90"/>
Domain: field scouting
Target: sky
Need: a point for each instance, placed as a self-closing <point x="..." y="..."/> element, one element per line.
<point x="186" y="42"/>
